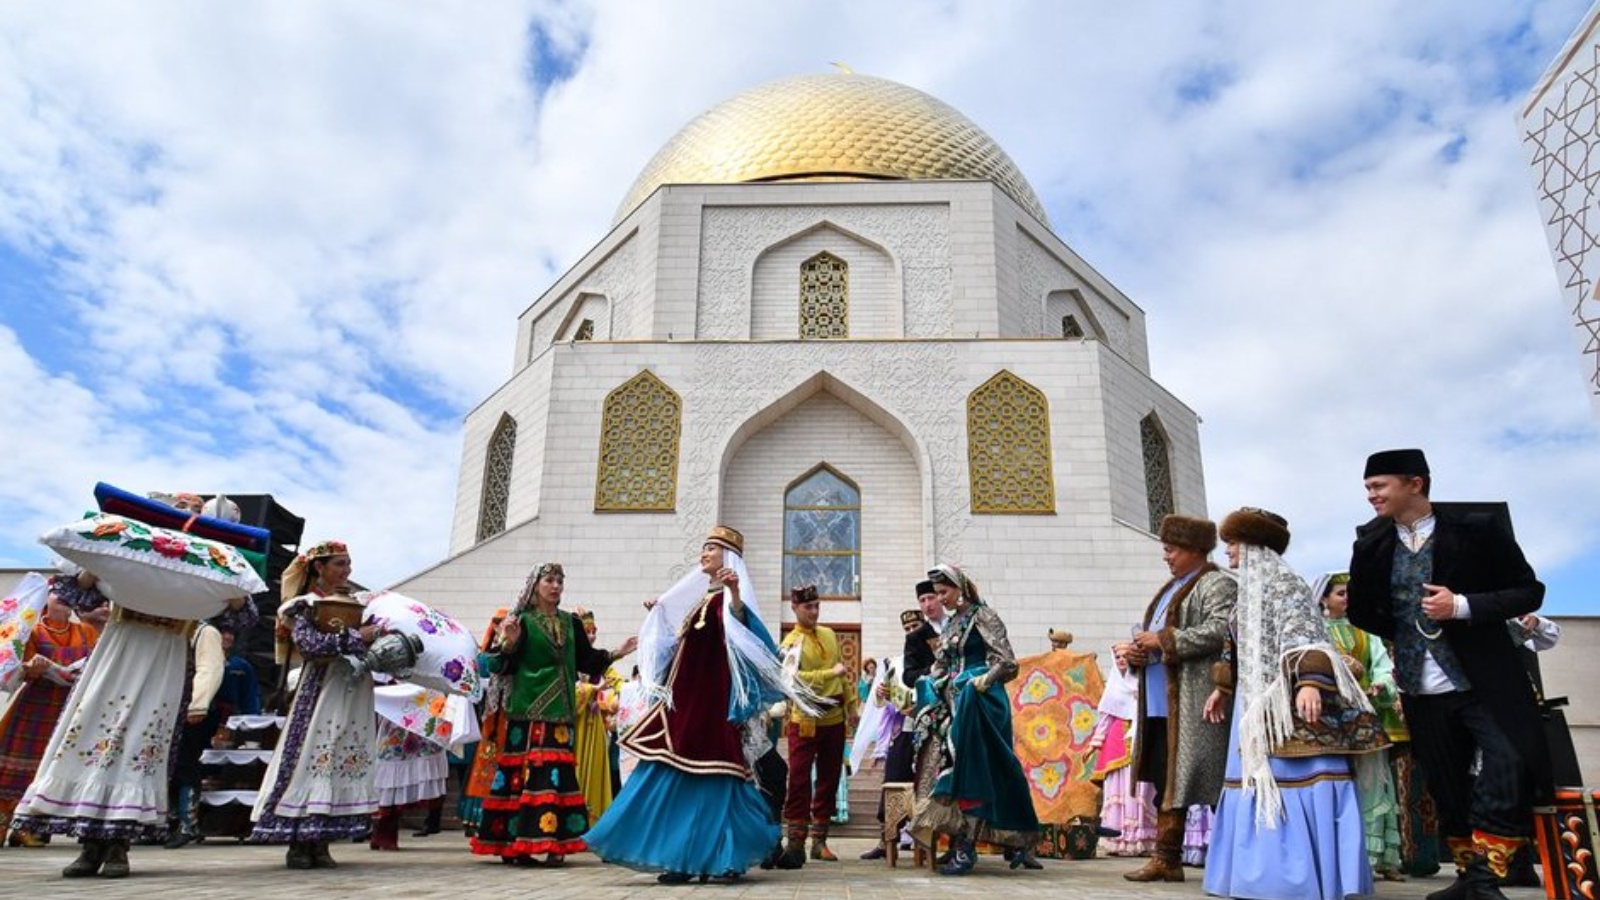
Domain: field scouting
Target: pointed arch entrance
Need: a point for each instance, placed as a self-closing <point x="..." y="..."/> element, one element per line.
<point x="828" y="475"/>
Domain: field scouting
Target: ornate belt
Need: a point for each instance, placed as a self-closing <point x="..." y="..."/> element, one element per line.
<point x="124" y="614"/>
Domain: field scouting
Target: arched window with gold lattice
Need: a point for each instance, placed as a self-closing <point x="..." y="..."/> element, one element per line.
<point x="1008" y="447"/>
<point x="639" y="433"/>
<point x="824" y="298"/>
<point x="1157" y="470"/>
<point x="497" y="478"/>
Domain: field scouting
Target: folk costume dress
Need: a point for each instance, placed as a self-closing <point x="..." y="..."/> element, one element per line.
<point x="969" y="782"/>
<point x="492" y="725"/>
<point x="319" y="786"/>
<point x="103" y="774"/>
<point x="535" y="803"/>
<point x="409" y="768"/>
<point x="692" y="806"/>
<point x="1289" y="825"/>
<point x="1129" y="805"/>
<point x="26" y="728"/>
<point x="1375" y="785"/>
<point x="816" y="743"/>
<point x="596" y="706"/>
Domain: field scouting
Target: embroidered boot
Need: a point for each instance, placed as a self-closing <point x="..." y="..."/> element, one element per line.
<point x="89" y="861"/>
<point x="963" y="856"/>
<point x="1481" y="881"/>
<point x="1462" y="852"/>
<point x="1521" y="872"/>
<point x="794" y="854"/>
<point x="1026" y="858"/>
<point x="1490" y="865"/>
<point x="116" y="865"/>
<point x="819" y="843"/>
<point x="1166" y="864"/>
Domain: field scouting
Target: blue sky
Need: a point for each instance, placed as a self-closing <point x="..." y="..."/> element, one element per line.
<point x="282" y="250"/>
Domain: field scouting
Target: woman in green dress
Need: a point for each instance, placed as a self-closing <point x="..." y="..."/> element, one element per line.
<point x="1370" y="663"/>
<point x="536" y="804"/>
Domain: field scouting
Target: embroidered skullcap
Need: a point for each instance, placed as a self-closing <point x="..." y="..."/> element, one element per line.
<point x="727" y="538"/>
<point x="805" y="593"/>
<point x="912" y="616"/>
<point x="924" y="587"/>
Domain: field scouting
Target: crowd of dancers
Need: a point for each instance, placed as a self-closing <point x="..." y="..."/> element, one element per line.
<point x="1246" y="699"/>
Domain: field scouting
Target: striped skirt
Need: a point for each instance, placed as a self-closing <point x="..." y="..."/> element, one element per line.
<point x="535" y="804"/>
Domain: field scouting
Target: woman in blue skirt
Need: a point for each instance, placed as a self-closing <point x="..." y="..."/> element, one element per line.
<point x="692" y="809"/>
<point x="1288" y="826"/>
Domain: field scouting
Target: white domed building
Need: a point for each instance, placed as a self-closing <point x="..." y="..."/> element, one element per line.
<point x="832" y="314"/>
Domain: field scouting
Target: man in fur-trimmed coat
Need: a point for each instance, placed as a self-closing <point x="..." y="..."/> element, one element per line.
<point x="1182" y="634"/>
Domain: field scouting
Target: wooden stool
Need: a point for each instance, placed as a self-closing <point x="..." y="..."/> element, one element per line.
<point x="899" y="799"/>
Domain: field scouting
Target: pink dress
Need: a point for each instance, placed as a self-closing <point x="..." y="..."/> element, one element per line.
<point x="1129" y="805"/>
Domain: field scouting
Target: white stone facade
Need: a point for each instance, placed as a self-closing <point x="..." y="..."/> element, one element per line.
<point x="951" y="282"/>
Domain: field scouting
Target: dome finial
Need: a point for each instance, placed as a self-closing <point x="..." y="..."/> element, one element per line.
<point x="843" y="67"/>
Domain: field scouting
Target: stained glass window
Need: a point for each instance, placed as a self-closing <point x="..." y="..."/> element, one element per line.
<point x="497" y="478"/>
<point x="1008" y="447"/>
<point x="822" y="535"/>
<point x="825" y="298"/>
<point x="585" y="331"/>
<point x="639" y="432"/>
<point x="1070" y="327"/>
<point x="1157" y="470"/>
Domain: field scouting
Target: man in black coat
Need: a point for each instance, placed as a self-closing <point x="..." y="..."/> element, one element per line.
<point x="1441" y="584"/>
<point x="918" y="654"/>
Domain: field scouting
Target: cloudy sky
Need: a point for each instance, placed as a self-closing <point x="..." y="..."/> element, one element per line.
<point x="282" y="249"/>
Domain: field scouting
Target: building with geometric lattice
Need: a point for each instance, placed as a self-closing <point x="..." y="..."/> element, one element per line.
<point x="831" y="313"/>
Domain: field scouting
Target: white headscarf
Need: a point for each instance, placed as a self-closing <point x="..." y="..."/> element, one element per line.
<point x="749" y="657"/>
<point x="1278" y="620"/>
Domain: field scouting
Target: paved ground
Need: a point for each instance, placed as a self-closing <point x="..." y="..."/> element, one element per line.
<point x="439" y="866"/>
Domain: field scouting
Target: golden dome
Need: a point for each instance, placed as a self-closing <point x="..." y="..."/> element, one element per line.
<point x="835" y="127"/>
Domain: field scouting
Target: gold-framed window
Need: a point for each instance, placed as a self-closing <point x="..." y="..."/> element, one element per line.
<point x="824" y="298"/>
<point x="639" y="432"/>
<point x="1008" y="448"/>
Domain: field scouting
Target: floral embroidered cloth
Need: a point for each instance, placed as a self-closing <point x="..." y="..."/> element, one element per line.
<point x="154" y="570"/>
<point x="19" y="611"/>
<point x="1053" y="703"/>
<point x="449" y="658"/>
<point x="444" y="719"/>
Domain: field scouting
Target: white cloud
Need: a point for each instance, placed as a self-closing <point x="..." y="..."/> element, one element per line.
<point x="295" y="237"/>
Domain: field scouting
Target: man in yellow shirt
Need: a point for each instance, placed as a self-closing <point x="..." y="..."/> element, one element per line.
<point x="814" y="741"/>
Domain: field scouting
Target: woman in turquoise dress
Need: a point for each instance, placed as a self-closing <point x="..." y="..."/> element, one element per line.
<point x="1288" y="825"/>
<point x="969" y="783"/>
<point x="692" y="809"/>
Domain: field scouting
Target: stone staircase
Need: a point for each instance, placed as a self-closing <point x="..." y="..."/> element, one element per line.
<point x="864" y="789"/>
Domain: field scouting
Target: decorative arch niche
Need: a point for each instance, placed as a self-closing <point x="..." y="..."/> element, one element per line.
<point x="1157" y="453"/>
<point x="497" y="463"/>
